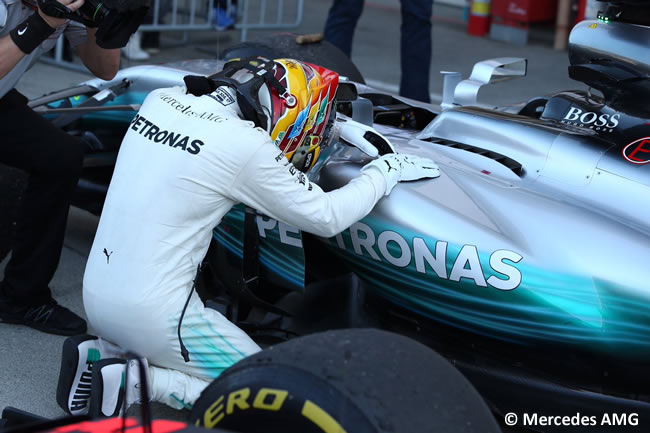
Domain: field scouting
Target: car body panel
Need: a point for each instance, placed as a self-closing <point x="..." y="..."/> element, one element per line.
<point x="552" y="252"/>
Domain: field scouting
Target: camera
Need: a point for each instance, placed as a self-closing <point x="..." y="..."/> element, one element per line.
<point x="91" y="13"/>
<point x="115" y="20"/>
<point x="94" y="10"/>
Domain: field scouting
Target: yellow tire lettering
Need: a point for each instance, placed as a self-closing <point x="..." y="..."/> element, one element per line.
<point x="322" y="419"/>
<point x="278" y="397"/>
<point x="238" y="398"/>
<point x="268" y="399"/>
<point x="214" y="414"/>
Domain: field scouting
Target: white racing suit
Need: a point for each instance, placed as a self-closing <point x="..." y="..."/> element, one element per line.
<point x="184" y="162"/>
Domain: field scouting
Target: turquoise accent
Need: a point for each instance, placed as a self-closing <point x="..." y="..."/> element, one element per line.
<point x="105" y="119"/>
<point x="209" y="349"/>
<point x="277" y="259"/>
<point x="184" y="404"/>
<point x="93" y="356"/>
<point x="548" y="306"/>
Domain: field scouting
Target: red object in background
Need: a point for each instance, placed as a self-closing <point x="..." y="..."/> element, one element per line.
<point x="479" y="18"/>
<point x="582" y="6"/>
<point x="520" y="13"/>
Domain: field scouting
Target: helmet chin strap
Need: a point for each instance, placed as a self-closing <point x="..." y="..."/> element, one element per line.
<point x="265" y="101"/>
<point x="267" y="113"/>
<point x="227" y="97"/>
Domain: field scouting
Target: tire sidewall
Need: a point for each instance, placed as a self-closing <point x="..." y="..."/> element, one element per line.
<point x="280" y="398"/>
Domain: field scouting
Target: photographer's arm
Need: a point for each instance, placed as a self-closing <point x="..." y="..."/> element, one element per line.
<point x="102" y="63"/>
<point x="28" y="37"/>
<point x="10" y="54"/>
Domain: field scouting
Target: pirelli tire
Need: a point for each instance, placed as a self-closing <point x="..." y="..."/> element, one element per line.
<point x="280" y="45"/>
<point x="354" y="381"/>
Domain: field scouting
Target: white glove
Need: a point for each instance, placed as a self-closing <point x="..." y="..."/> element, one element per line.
<point x="399" y="168"/>
<point x="363" y="137"/>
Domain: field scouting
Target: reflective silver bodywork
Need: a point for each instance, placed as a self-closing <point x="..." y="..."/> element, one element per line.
<point x="577" y="215"/>
<point x="627" y="44"/>
<point x="555" y="250"/>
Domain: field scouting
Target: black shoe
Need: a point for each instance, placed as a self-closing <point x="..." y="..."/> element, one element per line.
<point x="49" y="317"/>
<point x="79" y="354"/>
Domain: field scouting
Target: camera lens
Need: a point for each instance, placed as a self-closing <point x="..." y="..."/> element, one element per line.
<point x="95" y="10"/>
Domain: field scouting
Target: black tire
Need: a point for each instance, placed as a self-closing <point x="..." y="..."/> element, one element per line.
<point x="321" y="53"/>
<point x="353" y="380"/>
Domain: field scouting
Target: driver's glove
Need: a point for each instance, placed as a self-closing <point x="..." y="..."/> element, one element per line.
<point x="399" y="167"/>
<point x="363" y="137"/>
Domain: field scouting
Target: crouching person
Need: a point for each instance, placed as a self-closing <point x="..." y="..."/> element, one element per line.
<point x="245" y="135"/>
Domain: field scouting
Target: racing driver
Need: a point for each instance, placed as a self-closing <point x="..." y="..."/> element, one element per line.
<point x="245" y="135"/>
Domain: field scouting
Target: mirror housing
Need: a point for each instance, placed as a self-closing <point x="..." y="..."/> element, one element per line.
<point x="486" y="72"/>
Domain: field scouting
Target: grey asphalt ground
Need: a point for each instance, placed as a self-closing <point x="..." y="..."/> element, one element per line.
<point x="29" y="360"/>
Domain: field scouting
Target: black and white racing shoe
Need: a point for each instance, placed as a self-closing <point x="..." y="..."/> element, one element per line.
<point x="77" y="358"/>
<point x="109" y="378"/>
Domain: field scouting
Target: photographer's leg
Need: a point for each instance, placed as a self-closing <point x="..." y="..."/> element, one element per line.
<point x="53" y="160"/>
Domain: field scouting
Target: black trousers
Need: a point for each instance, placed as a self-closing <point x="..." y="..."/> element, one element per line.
<point x="52" y="160"/>
<point x="415" y="46"/>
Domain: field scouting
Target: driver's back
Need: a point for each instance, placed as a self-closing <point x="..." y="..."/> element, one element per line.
<point x="169" y="190"/>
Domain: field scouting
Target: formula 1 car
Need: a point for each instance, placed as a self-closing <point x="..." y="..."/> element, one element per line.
<point x="525" y="263"/>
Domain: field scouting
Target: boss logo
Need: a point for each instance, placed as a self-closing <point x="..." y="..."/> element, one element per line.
<point x="596" y="121"/>
<point x="638" y="152"/>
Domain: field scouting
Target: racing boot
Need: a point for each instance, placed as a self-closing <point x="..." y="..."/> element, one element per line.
<point x="78" y="356"/>
<point x="116" y="387"/>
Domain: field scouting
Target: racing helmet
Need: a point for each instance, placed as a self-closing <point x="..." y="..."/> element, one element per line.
<point x="291" y="99"/>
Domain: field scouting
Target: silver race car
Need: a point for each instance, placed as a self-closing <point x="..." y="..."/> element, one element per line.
<point x="527" y="263"/>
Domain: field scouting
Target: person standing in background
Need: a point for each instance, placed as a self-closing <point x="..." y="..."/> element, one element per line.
<point x="50" y="156"/>
<point x="224" y="14"/>
<point x="142" y="44"/>
<point x="415" y="45"/>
